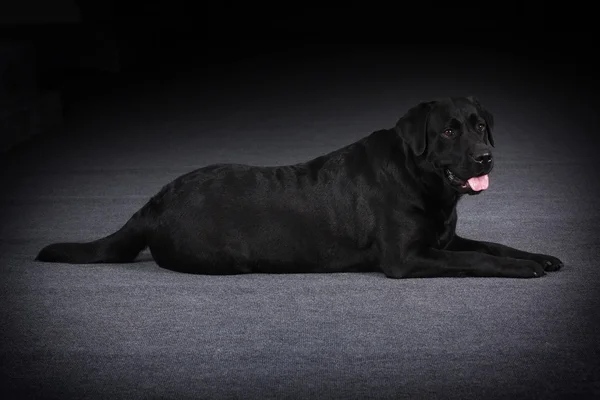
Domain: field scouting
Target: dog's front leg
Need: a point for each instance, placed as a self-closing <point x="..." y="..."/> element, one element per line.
<point x="549" y="263"/>
<point x="445" y="263"/>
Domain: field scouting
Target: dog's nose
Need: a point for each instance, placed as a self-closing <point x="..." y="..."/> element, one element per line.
<point x="483" y="158"/>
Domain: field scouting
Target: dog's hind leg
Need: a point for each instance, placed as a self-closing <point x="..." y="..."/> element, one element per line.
<point x="201" y="260"/>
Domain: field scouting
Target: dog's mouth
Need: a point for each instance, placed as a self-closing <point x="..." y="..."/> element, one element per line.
<point x="476" y="183"/>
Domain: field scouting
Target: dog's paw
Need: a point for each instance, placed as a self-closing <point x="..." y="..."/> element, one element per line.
<point x="537" y="270"/>
<point x="549" y="263"/>
<point x="527" y="269"/>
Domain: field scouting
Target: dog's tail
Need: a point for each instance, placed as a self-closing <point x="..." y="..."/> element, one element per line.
<point x="120" y="247"/>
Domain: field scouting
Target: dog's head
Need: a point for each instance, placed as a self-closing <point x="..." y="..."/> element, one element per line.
<point x="455" y="137"/>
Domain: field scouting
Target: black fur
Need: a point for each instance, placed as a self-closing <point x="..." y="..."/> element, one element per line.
<point x="385" y="202"/>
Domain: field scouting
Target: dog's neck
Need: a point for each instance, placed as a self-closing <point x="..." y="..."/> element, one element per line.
<point x="439" y="194"/>
<point x="437" y="190"/>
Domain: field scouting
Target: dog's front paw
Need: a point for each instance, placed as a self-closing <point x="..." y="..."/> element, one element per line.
<point x="524" y="269"/>
<point x="549" y="263"/>
<point x="535" y="270"/>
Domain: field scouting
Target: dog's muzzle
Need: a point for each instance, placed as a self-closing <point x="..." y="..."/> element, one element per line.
<point x="476" y="183"/>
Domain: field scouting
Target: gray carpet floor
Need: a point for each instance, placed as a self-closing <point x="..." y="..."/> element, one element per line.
<point x="138" y="331"/>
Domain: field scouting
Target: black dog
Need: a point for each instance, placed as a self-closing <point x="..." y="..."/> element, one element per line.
<point x="386" y="202"/>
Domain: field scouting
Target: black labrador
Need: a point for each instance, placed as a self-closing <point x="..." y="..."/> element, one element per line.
<point x="385" y="203"/>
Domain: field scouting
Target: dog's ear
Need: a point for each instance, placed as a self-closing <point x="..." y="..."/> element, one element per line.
<point x="487" y="116"/>
<point x="412" y="127"/>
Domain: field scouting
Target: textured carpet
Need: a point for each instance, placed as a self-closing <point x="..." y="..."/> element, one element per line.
<point x="137" y="331"/>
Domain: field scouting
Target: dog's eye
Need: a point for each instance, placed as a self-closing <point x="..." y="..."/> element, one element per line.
<point x="481" y="127"/>
<point x="448" y="133"/>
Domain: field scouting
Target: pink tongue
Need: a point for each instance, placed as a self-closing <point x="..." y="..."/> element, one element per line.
<point x="479" y="183"/>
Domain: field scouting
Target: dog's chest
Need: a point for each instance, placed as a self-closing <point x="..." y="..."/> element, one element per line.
<point x="443" y="218"/>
